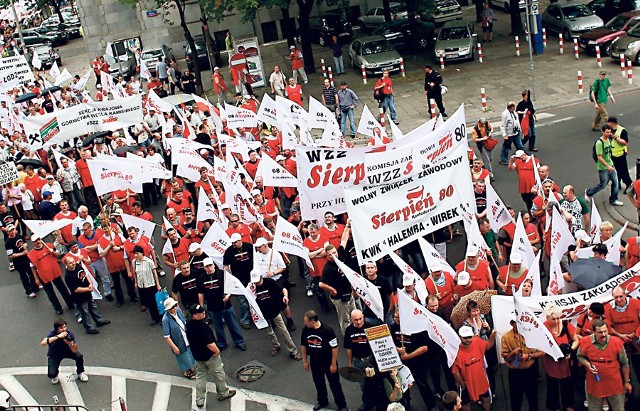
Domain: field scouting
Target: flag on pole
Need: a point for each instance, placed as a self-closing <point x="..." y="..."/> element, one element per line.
<point x="556" y="281"/>
<point x="233" y="286"/>
<point x="431" y="255"/>
<point x="83" y="80"/>
<point x="421" y="287"/>
<point x="535" y="333"/>
<point x="205" y="208"/>
<point x="596" y="220"/>
<point x="42" y="228"/>
<point x="521" y="243"/>
<point x="287" y="240"/>
<point x="35" y="61"/>
<point x="497" y="212"/>
<point x="145" y="73"/>
<point x="369" y="293"/>
<point x="533" y="274"/>
<point x="145" y="227"/>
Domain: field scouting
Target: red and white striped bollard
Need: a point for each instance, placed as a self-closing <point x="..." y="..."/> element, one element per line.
<point x="623" y="71"/>
<point x="576" y="49"/>
<point x="580" y="87"/>
<point x="382" y="120"/>
<point x="480" y="52"/>
<point x="441" y="61"/>
<point x="364" y="75"/>
<point x="432" y="105"/>
<point x="324" y="68"/>
<point x="561" y="43"/>
<point x="598" y="56"/>
<point x="402" y="67"/>
<point x="629" y="72"/>
<point x="517" y="46"/>
<point x="483" y="99"/>
<point x="544" y="37"/>
<point x="331" y="76"/>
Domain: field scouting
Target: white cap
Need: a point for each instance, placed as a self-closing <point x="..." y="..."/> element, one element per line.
<point x="255" y="192"/>
<point x="292" y="47"/>
<point x="260" y="242"/>
<point x="225" y="205"/>
<point x="519" y="153"/>
<point x="582" y="235"/>
<point x="407" y="280"/>
<point x="235" y="237"/>
<point x="35" y="237"/>
<point x="216" y="68"/>
<point x="472" y="251"/>
<point x="435" y="266"/>
<point x="207" y="261"/>
<point x="246" y="97"/>
<point x="203" y="151"/>
<point x="463" y="278"/>
<point x="193" y="247"/>
<point x="515" y="258"/>
<point x="255" y="276"/>
<point x="465" y="331"/>
<point x="280" y="158"/>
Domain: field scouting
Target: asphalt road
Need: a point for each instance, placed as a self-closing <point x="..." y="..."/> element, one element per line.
<point x="564" y="140"/>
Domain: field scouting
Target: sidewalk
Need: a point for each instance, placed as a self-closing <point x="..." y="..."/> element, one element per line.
<point x="626" y="213"/>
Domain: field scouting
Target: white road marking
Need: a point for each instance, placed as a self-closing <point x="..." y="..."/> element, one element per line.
<point x="118" y="389"/>
<point x="544" y="115"/>
<point x="71" y="391"/>
<point x="552" y="122"/>
<point x="161" y="396"/>
<point x="16" y="389"/>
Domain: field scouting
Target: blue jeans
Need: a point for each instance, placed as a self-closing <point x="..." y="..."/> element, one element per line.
<point x="219" y="319"/>
<point x="352" y="122"/>
<point x="606" y="176"/>
<point x="531" y="138"/>
<point x="388" y="103"/>
<point x="53" y="363"/>
<point x="506" y="147"/>
<point x="339" y="65"/>
<point x="368" y="386"/>
<point x="90" y="315"/>
<point x="243" y="305"/>
<point x="100" y="267"/>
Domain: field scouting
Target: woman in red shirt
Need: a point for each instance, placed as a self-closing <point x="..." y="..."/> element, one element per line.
<point x="294" y="92"/>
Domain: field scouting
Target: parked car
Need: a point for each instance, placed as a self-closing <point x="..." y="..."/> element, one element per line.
<point x="397" y="32"/>
<point x="73" y="31"/>
<point x="375" y="16"/>
<point x="375" y="53"/>
<point x="47" y="55"/>
<point x="608" y="9"/>
<point x="506" y="5"/>
<point x="627" y="45"/>
<point x="324" y="26"/>
<point x="447" y="10"/>
<point x="150" y="56"/>
<point x="603" y="36"/>
<point x="34" y="40"/>
<point x="570" y="18"/>
<point x="457" y="40"/>
<point x="125" y="67"/>
<point x="68" y="18"/>
<point x="201" y="55"/>
<point x="57" y="37"/>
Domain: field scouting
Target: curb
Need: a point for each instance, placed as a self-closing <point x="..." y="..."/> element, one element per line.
<point x="613" y="212"/>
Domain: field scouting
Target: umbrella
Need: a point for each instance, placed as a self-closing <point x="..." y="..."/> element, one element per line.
<point x="33" y="162"/>
<point x="122" y="151"/>
<point x="51" y="89"/>
<point x="89" y="139"/>
<point x="483" y="298"/>
<point x="352" y="374"/>
<point x="590" y="272"/>
<point x="26" y="97"/>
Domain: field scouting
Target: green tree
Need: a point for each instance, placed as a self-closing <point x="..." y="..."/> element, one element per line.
<point x="249" y="8"/>
<point x="166" y="6"/>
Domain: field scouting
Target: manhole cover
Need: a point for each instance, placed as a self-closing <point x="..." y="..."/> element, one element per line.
<point x="250" y="373"/>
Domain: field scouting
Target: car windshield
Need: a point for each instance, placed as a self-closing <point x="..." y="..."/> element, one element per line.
<point x="617" y="23"/>
<point x="151" y="54"/>
<point x="386" y="28"/>
<point x="635" y="31"/>
<point x="375" y="47"/>
<point x="398" y="8"/>
<point x="575" y="11"/>
<point x="453" y="33"/>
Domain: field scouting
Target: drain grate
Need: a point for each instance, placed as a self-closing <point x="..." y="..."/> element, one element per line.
<point x="250" y="373"/>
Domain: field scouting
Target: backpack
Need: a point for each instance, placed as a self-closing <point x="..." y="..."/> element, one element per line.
<point x="592" y="90"/>
<point x="593" y="150"/>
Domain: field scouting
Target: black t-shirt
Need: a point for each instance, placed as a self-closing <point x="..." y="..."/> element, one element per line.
<point x="14" y="246"/>
<point x="269" y="298"/>
<point x="187" y="287"/>
<point x="203" y="138"/>
<point x="76" y="279"/>
<point x="197" y="268"/>
<point x="319" y="342"/>
<point x="200" y="335"/>
<point x="385" y="292"/>
<point x="481" y="201"/>
<point x="411" y="342"/>
<point x="5" y="220"/>
<point x="355" y="339"/>
<point x="332" y="276"/>
<point x="212" y="287"/>
<point x="240" y="260"/>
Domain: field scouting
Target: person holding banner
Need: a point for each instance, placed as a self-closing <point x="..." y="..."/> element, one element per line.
<point x="360" y="356"/>
<point x="81" y="285"/>
<point x="17" y="254"/>
<point x="440" y="284"/>
<point x="371" y="270"/>
<point x="238" y="260"/>
<point x="479" y="270"/>
<point x="338" y="286"/>
<point x="512" y="274"/>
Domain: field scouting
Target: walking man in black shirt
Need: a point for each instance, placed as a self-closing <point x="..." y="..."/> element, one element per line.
<point x="339" y="288"/>
<point x="433" y="88"/>
<point x="360" y="356"/>
<point x="184" y="287"/>
<point x="207" y="356"/>
<point x="81" y="289"/>
<point x="17" y="253"/>
<point x="320" y="344"/>
<point x="238" y="260"/>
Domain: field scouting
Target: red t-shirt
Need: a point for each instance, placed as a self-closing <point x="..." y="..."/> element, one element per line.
<point x="34" y="184"/>
<point x="296" y="59"/>
<point x="480" y="275"/>
<point x="252" y="168"/>
<point x="559" y="369"/>
<point x="145" y="216"/>
<point x="85" y="175"/>
<point x="624" y="322"/>
<point x="243" y="230"/>
<point x="115" y="259"/>
<point x="294" y="93"/>
<point x="179" y="207"/>
<point x="125" y="205"/>
<point x="318" y="262"/>
<point x="267" y="208"/>
<point x="526" y="178"/>
<point x="444" y="293"/>
<point x="45" y="263"/>
<point x="179" y="252"/>
<point x="82" y="239"/>
<point x="66" y="231"/>
<point x="142" y="241"/>
<point x="502" y="275"/>
<point x="606" y="361"/>
<point x="332" y="236"/>
<point x="470" y="364"/>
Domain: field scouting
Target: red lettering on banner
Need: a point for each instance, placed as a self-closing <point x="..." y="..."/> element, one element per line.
<point x="405" y="213"/>
<point x="444" y="144"/>
<point x="328" y="176"/>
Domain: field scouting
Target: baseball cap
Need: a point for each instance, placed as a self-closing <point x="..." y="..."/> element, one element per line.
<point x="582" y="235"/>
<point x="255" y="192"/>
<point x="169" y="303"/>
<point x="47" y="194"/>
<point x="519" y="153"/>
<point x="49" y="176"/>
<point x="196" y="309"/>
<point x="255" y="276"/>
<point x="603" y="72"/>
<point x="516" y="258"/>
<point x="10" y="227"/>
<point x="407" y="280"/>
<point x="194" y="247"/>
<point x="280" y="158"/>
<point x="472" y="251"/>
<point x="465" y="331"/>
<point x="216" y="68"/>
<point x="207" y="261"/>
<point x="225" y="205"/>
<point x="235" y="237"/>
<point x="463" y="278"/>
<point x="292" y="47"/>
<point x="435" y="266"/>
<point x="260" y="242"/>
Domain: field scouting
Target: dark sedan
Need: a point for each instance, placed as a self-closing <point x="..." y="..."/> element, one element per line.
<point x="57" y="37"/>
<point x="201" y="55"/>
<point x="324" y="26"/>
<point x="397" y="33"/>
<point x="614" y="28"/>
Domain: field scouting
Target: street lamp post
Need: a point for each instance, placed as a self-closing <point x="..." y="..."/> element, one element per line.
<point x="532" y="28"/>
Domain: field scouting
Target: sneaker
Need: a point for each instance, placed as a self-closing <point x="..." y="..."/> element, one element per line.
<point x="108" y="297"/>
<point x="32" y="295"/>
<point x="617" y="203"/>
<point x="586" y="403"/>
<point x="55" y="380"/>
<point x="241" y="347"/>
<point x="93" y="331"/>
<point x="83" y="377"/>
<point x="605" y="407"/>
<point x="161" y="273"/>
<point x="309" y="292"/>
<point x="246" y="326"/>
<point x="199" y="404"/>
<point x="586" y="196"/>
<point x="230" y="394"/>
<point x="396" y="122"/>
<point x="11" y="267"/>
<point x="79" y="320"/>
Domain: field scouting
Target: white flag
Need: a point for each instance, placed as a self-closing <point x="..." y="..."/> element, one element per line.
<point x="112" y="175"/>
<point x="64" y="76"/>
<point x="146" y="227"/>
<point x="497" y="213"/>
<point x="54" y="71"/>
<point x="35" y="61"/>
<point x="233" y="286"/>
<point x="535" y="333"/>
<point x="267" y="110"/>
<point x="369" y="293"/>
<point x="274" y="175"/>
<point x="521" y="243"/>
<point x="59" y="156"/>
<point x="83" y="80"/>
<point x="475" y="238"/>
<point x="613" y="245"/>
<point x="331" y="136"/>
<point x="205" y="208"/>
<point x="215" y="243"/>
<point x="42" y="228"/>
<point x="367" y="123"/>
<point x="395" y="130"/>
<point x="431" y="255"/>
<point x="556" y="281"/>
<point x="319" y="115"/>
<point x="158" y="104"/>
<point x="288" y="240"/>
<point x="533" y="274"/>
<point x="561" y="237"/>
<point x="145" y="73"/>
<point x="415" y="318"/>
<point x="420" y="286"/>
<point x="596" y="220"/>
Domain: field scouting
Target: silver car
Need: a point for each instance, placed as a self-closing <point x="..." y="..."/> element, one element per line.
<point x="571" y="19"/>
<point x="447" y="10"/>
<point x="457" y="40"/>
<point x="628" y="45"/>
<point x="375" y="16"/>
<point x="375" y="53"/>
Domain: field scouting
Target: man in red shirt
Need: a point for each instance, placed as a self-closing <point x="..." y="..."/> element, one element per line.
<point x="137" y="211"/>
<point x="64" y="234"/>
<point x="315" y="245"/>
<point x="385" y="86"/>
<point x="525" y="165"/>
<point x="218" y="86"/>
<point x="154" y="84"/>
<point x="252" y="165"/>
<point x="89" y="239"/>
<point x="440" y="284"/>
<point x="331" y="230"/>
<point x="88" y="189"/>
<point x="266" y="207"/>
<point x="176" y="249"/>
<point x="34" y="183"/>
<point x="178" y="203"/>
<point x="478" y="269"/>
<point x="148" y="250"/>
<point x="293" y="92"/>
<point x="512" y="274"/>
<point x="623" y="315"/>
<point x="297" y="64"/>
<point x="44" y="258"/>
<point x="235" y="226"/>
<point x="468" y="368"/>
<point x="111" y="248"/>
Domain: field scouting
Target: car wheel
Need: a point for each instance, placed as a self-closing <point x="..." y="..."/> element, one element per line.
<point x="473" y="55"/>
<point x="322" y="41"/>
<point x="566" y="36"/>
<point x="638" y="59"/>
<point x="423" y="43"/>
<point x="604" y="49"/>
